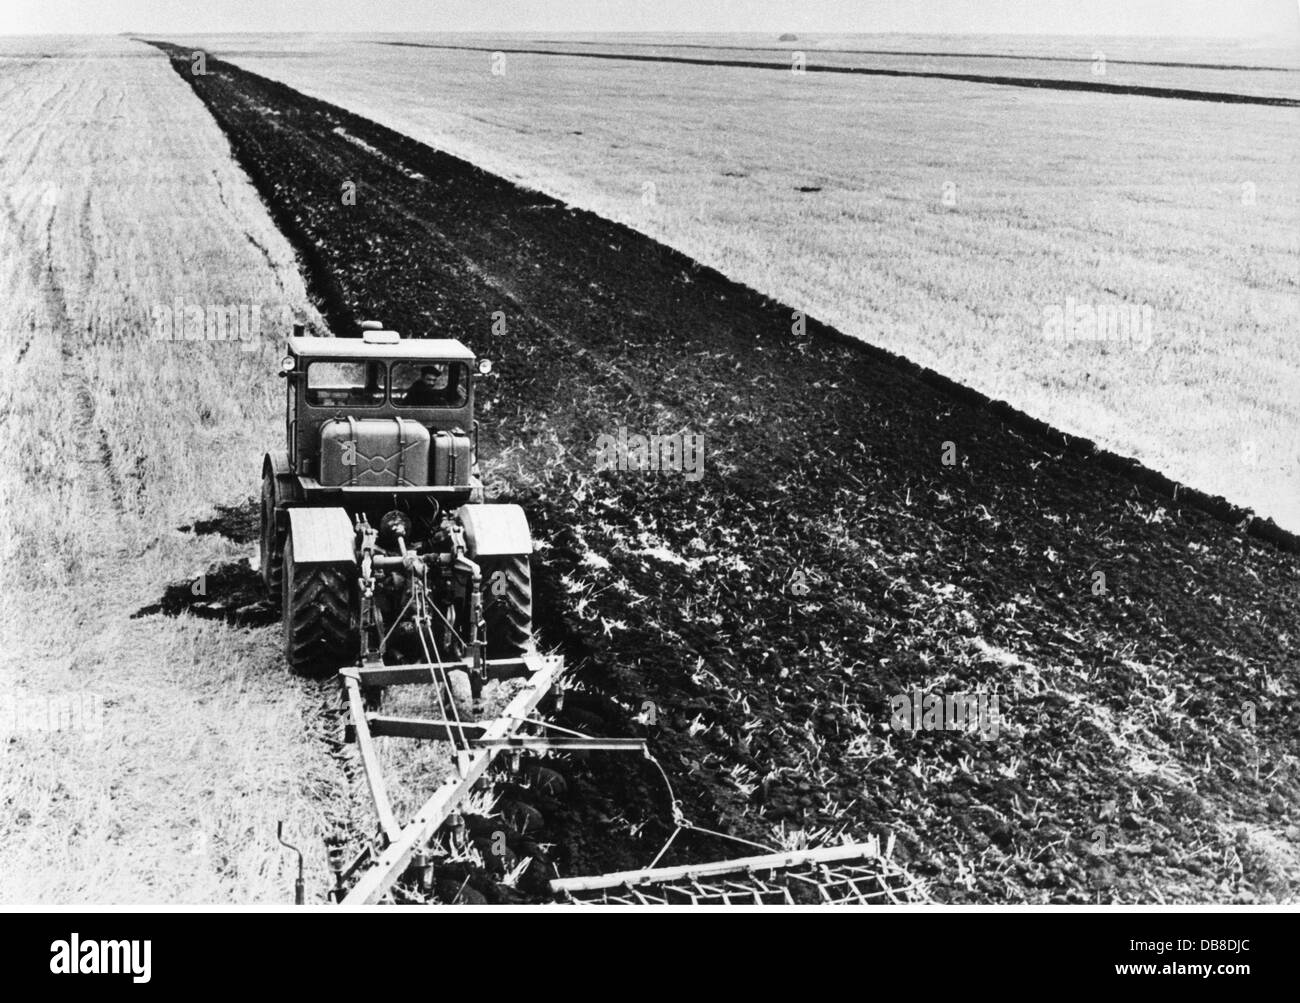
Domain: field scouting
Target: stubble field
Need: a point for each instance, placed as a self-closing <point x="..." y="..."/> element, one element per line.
<point x="117" y="194"/>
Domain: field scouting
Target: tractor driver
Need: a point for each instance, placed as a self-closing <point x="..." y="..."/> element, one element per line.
<point x="433" y="388"/>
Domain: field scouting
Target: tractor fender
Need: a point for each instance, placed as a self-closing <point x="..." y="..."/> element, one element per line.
<point x="496" y="530"/>
<point x="277" y="462"/>
<point x="321" y="536"/>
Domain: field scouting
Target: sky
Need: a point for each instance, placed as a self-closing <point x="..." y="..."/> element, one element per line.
<point x="1275" y="19"/>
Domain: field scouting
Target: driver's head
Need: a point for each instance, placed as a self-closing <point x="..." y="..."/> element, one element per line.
<point x="431" y="374"/>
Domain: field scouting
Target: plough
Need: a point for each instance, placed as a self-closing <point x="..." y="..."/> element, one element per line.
<point x="391" y="571"/>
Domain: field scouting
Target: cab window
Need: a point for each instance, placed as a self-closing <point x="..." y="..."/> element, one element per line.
<point x="430" y="384"/>
<point x="346" y="384"/>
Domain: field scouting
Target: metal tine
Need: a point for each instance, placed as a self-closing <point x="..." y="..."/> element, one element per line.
<point x="757" y="890"/>
<point x="640" y="898"/>
<point x="709" y="890"/>
<point x="852" y="890"/>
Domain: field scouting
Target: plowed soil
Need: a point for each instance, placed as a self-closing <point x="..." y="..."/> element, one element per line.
<point x="1143" y="652"/>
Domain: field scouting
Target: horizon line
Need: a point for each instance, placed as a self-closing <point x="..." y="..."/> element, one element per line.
<point x="806" y="35"/>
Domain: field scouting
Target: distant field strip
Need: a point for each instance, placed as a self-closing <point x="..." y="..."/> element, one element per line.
<point x="1128" y="90"/>
<point x="795" y="46"/>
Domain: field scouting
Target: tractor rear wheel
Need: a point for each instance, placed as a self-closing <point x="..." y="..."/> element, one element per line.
<point x="317" y="600"/>
<point x="272" y="541"/>
<point x="507" y="605"/>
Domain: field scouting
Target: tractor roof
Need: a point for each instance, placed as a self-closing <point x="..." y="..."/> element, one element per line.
<point x="388" y="346"/>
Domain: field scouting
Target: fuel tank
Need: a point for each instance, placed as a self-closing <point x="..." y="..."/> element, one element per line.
<point x="374" y="452"/>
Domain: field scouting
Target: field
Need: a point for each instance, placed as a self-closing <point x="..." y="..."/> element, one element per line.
<point x="119" y="195"/>
<point x="1187" y="208"/>
<point x="827" y="558"/>
<point x="860" y="530"/>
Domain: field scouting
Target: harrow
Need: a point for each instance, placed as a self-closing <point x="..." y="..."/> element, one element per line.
<point x="853" y="875"/>
<point x="861" y="873"/>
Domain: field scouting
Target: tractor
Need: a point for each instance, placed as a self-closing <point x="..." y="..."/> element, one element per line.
<point x="375" y="539"/>
<point x="391" y="570"/>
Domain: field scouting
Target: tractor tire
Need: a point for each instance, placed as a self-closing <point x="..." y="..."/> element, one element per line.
<point x="507" y="605"/>
<point x="272" y="541"/>
<point x="319" y="634"/>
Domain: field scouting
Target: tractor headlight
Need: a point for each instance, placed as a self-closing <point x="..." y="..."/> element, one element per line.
<point x="484" y="366"/>
<point x="286" y="364"/>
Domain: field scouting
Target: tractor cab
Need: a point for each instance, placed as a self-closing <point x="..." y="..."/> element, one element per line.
<point x="380" y="414"/>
